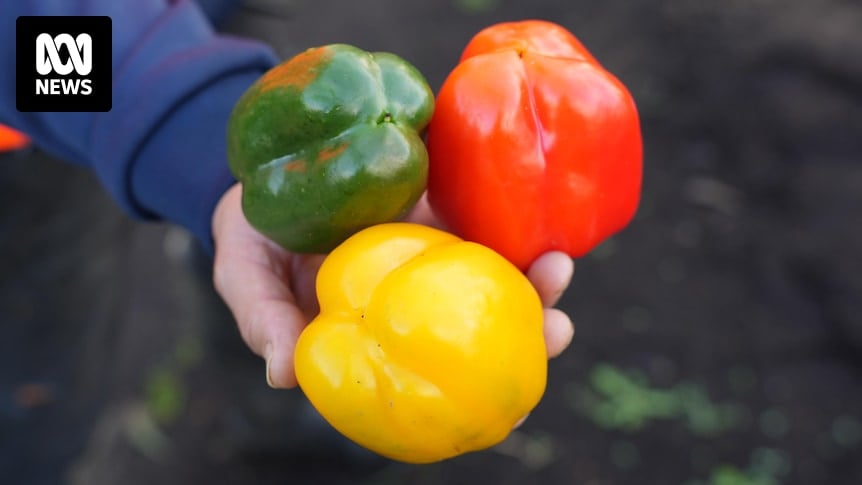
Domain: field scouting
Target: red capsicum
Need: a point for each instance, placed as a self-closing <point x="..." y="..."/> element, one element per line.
<point x="533" y="145"/>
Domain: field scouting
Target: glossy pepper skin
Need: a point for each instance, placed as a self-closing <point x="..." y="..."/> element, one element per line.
<point x="426" y="346"/>
<point x="328" y="143"/>
<point x="533" y="145"/>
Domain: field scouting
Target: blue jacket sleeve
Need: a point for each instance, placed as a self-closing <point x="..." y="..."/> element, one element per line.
<point x="160" y="151"/>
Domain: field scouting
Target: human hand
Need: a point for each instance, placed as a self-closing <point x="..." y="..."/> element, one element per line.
<point x="271" y="291"/>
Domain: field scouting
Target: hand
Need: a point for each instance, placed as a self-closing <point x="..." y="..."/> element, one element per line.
<point x="270" y="291"/>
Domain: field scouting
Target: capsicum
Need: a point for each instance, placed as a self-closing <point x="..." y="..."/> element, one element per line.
<point x="329" y="142"/>
<point x="426" y="346"/>
<point x="533" y="145"/>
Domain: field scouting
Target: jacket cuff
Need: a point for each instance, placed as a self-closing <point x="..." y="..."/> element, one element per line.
<point x="167" y="126"/>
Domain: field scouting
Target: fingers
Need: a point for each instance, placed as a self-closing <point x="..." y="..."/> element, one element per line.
<point x="271" y="332"/>
<point x="303" y="275"/>
<point x="268" y="320"/>
<point x="252" y="276"/>
<point x="551" y="274"/>
<point x="559" y="331"/>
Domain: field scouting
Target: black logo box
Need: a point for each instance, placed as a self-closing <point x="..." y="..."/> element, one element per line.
<point x="27" y="29"/>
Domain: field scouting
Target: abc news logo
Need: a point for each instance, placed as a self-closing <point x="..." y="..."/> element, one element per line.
<point x="63" y="64"/>
<point x="48" y="60"/>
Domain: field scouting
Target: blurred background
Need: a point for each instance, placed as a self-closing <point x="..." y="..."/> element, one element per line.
<point x="719" y="337"/>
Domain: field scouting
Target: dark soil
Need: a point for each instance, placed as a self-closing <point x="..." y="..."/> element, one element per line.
<point x="719" y="337"/>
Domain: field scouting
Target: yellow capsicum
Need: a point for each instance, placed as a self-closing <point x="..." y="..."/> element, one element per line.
<point x="426" y="346"/>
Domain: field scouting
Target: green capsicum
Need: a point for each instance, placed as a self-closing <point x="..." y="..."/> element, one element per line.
<point x="328" y="143"/>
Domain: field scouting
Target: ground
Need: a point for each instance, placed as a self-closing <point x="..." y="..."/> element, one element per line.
<point x="718" y="336"/>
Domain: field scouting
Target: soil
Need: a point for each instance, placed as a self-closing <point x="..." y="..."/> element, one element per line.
<point x="718" y="336"/>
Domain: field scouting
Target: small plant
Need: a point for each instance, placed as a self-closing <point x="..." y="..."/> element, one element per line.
<point x="766" y="467"/>
<point x="623" y="400"/>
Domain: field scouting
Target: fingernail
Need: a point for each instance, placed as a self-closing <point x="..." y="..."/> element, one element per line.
<point x="267" y="354"/>
<point x="269" y="376"/>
